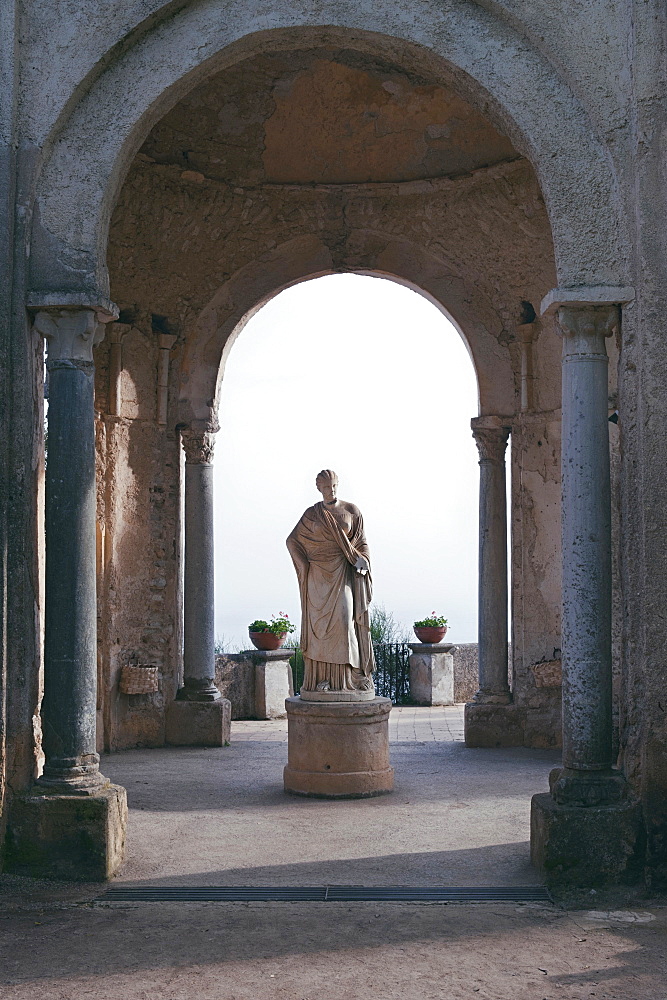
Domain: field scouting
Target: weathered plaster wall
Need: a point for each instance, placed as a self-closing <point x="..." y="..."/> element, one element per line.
<point x="235" y="677"/>
<point x="536" y="567"/>
<point x="139" y="524"/>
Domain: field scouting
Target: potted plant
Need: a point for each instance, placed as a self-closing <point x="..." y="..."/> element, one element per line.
<point x="270" y="635"/>
<point x="432" y="629"/>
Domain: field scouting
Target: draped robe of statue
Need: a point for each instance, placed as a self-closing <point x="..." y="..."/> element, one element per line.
<point x="335" y="598"/>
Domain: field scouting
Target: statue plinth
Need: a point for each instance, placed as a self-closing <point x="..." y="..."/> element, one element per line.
<point x="338" y="695"/>
<point x="338" y="749"/>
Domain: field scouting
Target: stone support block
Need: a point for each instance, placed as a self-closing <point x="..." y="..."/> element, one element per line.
<point x="431" y="674"/>
<point x="68" y="837"/>
<point x="494" y="725"/>
<point x="579" y="846"/>
<point x="338" y="750"/>
<point x="273" y="682"/>
<point x="198" y="723"/>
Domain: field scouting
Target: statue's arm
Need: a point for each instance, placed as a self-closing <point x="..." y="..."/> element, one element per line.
<point x="363" y="563"/>
<point x="297" y="552"/>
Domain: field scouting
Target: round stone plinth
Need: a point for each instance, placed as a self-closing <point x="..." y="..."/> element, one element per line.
<point x="338" y="750"/>
<point x="337" y="695"/>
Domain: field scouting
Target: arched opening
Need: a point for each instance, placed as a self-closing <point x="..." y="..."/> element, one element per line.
<point x="367" y="377"/>
<point x="399" y="177"/>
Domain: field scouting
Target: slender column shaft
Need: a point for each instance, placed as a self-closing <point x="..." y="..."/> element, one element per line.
<point x="491" y="438"/>
<point x="70" y="642"/>
<point x="166" y="342"/>
<point x="199" y="617"/>
<point x="586" y="528"/>
<point x="115" y="369"/>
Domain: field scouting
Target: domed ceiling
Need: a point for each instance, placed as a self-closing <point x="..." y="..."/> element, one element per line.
<point x="316" y="117"/>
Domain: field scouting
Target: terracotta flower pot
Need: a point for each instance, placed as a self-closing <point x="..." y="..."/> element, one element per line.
<point x="430" y="633"/>
<point x="267" y="640"/>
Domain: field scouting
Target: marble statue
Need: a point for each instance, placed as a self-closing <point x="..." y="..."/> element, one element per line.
<point x="329" y="550"/>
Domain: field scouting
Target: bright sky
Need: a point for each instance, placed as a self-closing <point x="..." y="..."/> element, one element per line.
<point x="366" y="377"/>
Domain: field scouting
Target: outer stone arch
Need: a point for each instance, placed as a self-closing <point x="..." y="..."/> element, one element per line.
<point x="209" y="342"/>
<point x="488" y="61"/>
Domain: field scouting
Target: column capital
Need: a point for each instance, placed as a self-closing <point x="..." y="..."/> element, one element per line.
<point x="198" y="444"/>
<point x="526" y="332"/>
<point x="118" y="331"/>
<point x="70" y="334"/>
<point x="584" y="328"/>
<point x="166" y="341"/>
<point x="491" y="434"/>
<point x="106" y="310"/>
<point x="586" y="296"/>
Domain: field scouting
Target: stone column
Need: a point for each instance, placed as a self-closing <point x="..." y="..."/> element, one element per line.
<point x="199" y="716"/>
<point x="50" y="828"/>
<point x="586" y="538"/>
<point x="587" y="828"/>
<point x="484" y="724"/>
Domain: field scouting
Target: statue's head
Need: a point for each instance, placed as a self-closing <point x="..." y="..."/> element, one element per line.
<point x="327" y="483"/>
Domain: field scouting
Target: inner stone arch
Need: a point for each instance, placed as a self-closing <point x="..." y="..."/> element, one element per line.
<point x="396" y="175"/>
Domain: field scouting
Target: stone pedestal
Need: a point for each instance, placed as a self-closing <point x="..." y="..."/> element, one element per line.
<point x="273" y="682"/>
<point x="431" y="673"/>
<point x="198" y="723"/>
<point x="494" y="725"/>
<point x="338" y="750"/>
<point x="70" y="837"/>
<point x="582" y="847"/>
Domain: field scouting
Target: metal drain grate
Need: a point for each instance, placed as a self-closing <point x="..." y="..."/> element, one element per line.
<point x="325" y="893"/>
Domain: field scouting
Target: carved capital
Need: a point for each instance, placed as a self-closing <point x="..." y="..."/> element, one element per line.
<point x="584" y="328"/>
<point x="527" y="332"/>
<point x="70" y="334"/>
<point x="166" y="341"/>
<point x="491" y="434"/>
<point x="198" y="445"/>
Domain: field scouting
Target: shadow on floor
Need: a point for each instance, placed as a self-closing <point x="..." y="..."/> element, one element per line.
<point x="317" y="949"/>
<point x="501" y="864"/>
<point x="249" y="773"/>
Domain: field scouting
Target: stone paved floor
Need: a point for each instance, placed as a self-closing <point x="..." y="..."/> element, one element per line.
<point x="220" y="816"/>
<point x="406" y="723"/>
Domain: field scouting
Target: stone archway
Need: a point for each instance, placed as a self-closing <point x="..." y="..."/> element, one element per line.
<point x="481" y="57"/>
<point x="478" y="53"/>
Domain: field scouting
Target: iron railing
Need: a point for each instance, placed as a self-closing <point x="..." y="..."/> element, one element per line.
<point x="392" y="671"/>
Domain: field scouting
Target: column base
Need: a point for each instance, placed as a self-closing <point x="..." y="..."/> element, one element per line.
<point x="198" y="723"/>
<point x="338" y="750"/>
<point x="70" y="837"/>
<point x="493" y="725"/>
<point x="581" y="846"/>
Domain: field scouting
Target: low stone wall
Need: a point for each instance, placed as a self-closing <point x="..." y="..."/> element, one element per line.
<point x="466" y="670"/>
<point x="466" y="681"/>
<point x="235" y="677"/>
